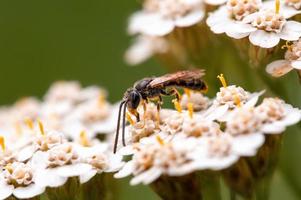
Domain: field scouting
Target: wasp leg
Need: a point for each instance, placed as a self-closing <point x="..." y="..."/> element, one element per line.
<point x="172" y="92"/>
<point x="159" y="104"/>
<point x="176" y="101"/>
<point x="144" y="102"/>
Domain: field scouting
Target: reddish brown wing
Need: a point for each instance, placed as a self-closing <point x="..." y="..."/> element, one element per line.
<point x="183" y="75"/>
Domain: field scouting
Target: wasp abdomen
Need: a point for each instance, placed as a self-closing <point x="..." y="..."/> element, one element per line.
<point x="194" y="84"/>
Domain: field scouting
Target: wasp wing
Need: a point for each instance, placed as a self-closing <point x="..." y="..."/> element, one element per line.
<point x="171" y="78"/>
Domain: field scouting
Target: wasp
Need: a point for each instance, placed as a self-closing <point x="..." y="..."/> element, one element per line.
<point x="154" y="88"/>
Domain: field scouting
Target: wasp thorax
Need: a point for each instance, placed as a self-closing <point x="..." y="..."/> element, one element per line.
<point x="238" y="9"/>
<point x="293" y="3"/>
<point x="269" y="21"/>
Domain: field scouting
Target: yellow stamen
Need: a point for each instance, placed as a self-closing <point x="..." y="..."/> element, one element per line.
<point x="237" y="100"/>
<point x="84" y="141"/>
<point x="177" y="105"/>
<point x="160" y="140"/>
<point x="9" y="168"/>
<point x="2" y="143"/>
<point x="29" y="123"/>
<point x="129" y="118"/>
<point x="41" y="127"/>
<point x="187" y="92"/>
<point x="190" y="110"/>
<point x="277" y="6"/>
<point x="287" y="45"/>
<point x="101" y="100"/>
<point x="18" y="128"/>
<point x="222" y="80"/>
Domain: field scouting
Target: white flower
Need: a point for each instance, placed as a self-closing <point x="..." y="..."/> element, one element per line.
<point x="245" y="126"/>
<point x="63" y="91"/>
<point x="271" y="27"/>
<point x="157" y="158"/>
<point x="160" y="17"/>
<point x="215" y="153"/>
<point x="19" y="179"/>
<point x="264" y="26"/>
<point x="41" y="142"/>
<point x="292" y="60"/>
<point x="57" y="164"/>
<point x="228" y="18"/>
<point x="288" y="8"/>
<point x="229" y="98"/>
<point x="95" y="116"/>
<point x="197" y="99"/>
<point x="101" y="160"/>
<point x="144" y="48"/>
<point x="276" y="115"/>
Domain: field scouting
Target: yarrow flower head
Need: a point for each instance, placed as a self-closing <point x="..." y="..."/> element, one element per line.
<point x="160" y="17"/>
<point x="264" y="26"/>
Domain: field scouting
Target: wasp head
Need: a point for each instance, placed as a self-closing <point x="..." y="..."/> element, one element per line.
<point x="133" y="98"/>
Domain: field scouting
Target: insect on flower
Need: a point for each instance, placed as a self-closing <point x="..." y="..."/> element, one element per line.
<point x="154" y="88"/>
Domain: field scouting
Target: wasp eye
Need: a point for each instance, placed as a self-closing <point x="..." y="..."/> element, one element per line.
<point x="134" y="100"/>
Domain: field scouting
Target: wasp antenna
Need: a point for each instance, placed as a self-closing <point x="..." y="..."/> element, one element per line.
<point x="118" y="127"/>
<point x="123" y="124"/>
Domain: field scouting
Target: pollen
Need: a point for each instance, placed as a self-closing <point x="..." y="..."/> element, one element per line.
<point x="129" y="118"/>
<point x="160" y="140"/>
<point x="84" y="141"/>
<point x="277" y="6"/>
<point x="190" y="109"/>
<point x="222" y="80"/>
<point x="9" y="168"/>
<point x="177" y="105"/>
<point x="29" y="123"/>
<point x="41" y="127"/>
<point x="187" y="92"/>
<point x="237" y="100"/>
<point x="2" y="143"/>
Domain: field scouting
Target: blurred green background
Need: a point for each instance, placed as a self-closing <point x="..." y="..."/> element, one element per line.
<point x="42" y="41"/>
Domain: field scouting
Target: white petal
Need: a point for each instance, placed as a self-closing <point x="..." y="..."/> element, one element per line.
<point x="28" y="191"/>
<point x="296" y="64"/>
<point x="49" y="177"/>
<point x="272" y="129"/>
<point x="126" y="170"/>
<point x="215" y="2"/>
<point x="279" y="68"/>
<point x="147" y="176"/>
<point x="247" y="145"/>
<point x="291" y="31"/>
<point x="5" y="190"/>
<point x="73" y="170"/>
<point x="190" y="19"/>
<point x="150" y="24"/>
<point x="218" y="163"/>
<point x="185" y="169"/>
<point x="139" y="52"/>
<point x="236" y="35"/>
<point x="254" y="99"/>
<point x="288" y="11"/>
<point x="26" y="153"/>
<point x="83" y="178"/>
<point x="218" y="112"/>
<point x="264" y="39"/>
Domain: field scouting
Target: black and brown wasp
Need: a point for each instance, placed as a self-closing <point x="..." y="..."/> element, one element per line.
<point x="154" y="88"/>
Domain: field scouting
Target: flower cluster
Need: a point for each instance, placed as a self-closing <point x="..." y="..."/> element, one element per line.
<point x="35" y="156"/>
<point x="214" y="136"/>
